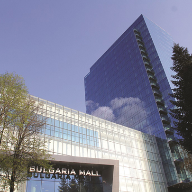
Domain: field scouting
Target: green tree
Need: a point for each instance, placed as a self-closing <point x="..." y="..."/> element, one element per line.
<point x="12" y="92"/>
<point x="182" y="93"/>
<point x="21" y="123"/>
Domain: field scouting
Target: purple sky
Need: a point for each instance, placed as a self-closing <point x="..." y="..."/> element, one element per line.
<point x="52" y="44"/>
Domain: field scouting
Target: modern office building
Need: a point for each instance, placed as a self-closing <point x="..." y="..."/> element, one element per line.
<point x="130" y="85"/>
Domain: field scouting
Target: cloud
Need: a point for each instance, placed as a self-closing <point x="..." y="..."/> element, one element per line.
<point x="91" y="106"/>
<point x="120" y="110"/>
<point x="128" y="110"/>
<point x="104" y="113"/>
<point x="122" y="102"/>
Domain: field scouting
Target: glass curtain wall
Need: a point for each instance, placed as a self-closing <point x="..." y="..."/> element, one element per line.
<point x="140" y="165"/>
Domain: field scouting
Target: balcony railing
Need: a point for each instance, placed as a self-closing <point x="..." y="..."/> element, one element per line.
<point x="135" y="31"/>
<point x="148" y="67"/>
<point x="171" y="139"/>
<point x="162" y="110"/>
<point x="139" y="40"/>
<point x="141" y="46"/>
<point x="159" y="101"/>
<point x="146" y="60"/>
<point x="137" y="36"/>
<point x="151" y="76"/>
<point x="168" y="129"/>
<point x="143" y="52"/>
<point x="165" y="120"/>
<point x="149" y="71"/>
<point x="156" y="92"/>
<point x="147" y="63"/>
<point x="144" y="56"/>
<point x="154" y="85"/>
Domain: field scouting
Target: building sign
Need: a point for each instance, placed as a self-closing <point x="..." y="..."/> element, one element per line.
<point x="59" y="172"/>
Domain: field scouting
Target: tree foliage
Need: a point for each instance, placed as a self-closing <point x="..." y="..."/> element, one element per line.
<point x="12" y="92"/>
<point x="182" y="93"/>
<point x="21" y="121"/>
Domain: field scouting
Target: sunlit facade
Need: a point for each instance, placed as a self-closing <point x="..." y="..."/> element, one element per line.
<point x="76" y="139"/>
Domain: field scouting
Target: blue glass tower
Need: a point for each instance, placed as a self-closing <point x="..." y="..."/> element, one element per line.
<point x="130" y="85"/>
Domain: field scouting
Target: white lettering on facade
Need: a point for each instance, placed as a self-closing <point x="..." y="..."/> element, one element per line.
<point x="62" y="171"/>
<point x="88" y="173"/>
<point x="73" y="172"/>
<point x="58" y="171"/>
<point x="51" y="170"/>
<point x="32" y="169"/>
<point x="38" y="170"/>
<point x="92" y="174"/>
<point x="81" y="172"/>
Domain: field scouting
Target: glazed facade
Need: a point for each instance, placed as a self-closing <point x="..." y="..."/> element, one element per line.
<point x="130" y="85"/>
<point x="129" y="78"/>
<point x="78" y="135"/>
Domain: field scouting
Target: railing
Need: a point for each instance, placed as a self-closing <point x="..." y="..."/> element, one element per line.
<point x="139" y="40"/>
<point x="162" y="110"/>
<point x="171" y="139"/>
<point x="143" y="51"/>
<point x="168" y="129"/>
<point x="137" y="36"/>
<point x="153" y="84"/>
<point x="145" y="57"/>
<point x="157" y="92"/>
<point x="165" y="119"/>
<point x="140" y="45"/>
<point x="151" y="76"/>
<point x="136" y="32"/>
<point x="159" y="101"/>
<point x="147" y="64"/>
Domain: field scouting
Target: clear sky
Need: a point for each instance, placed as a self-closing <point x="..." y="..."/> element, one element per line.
<point x="53" y="43"/>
